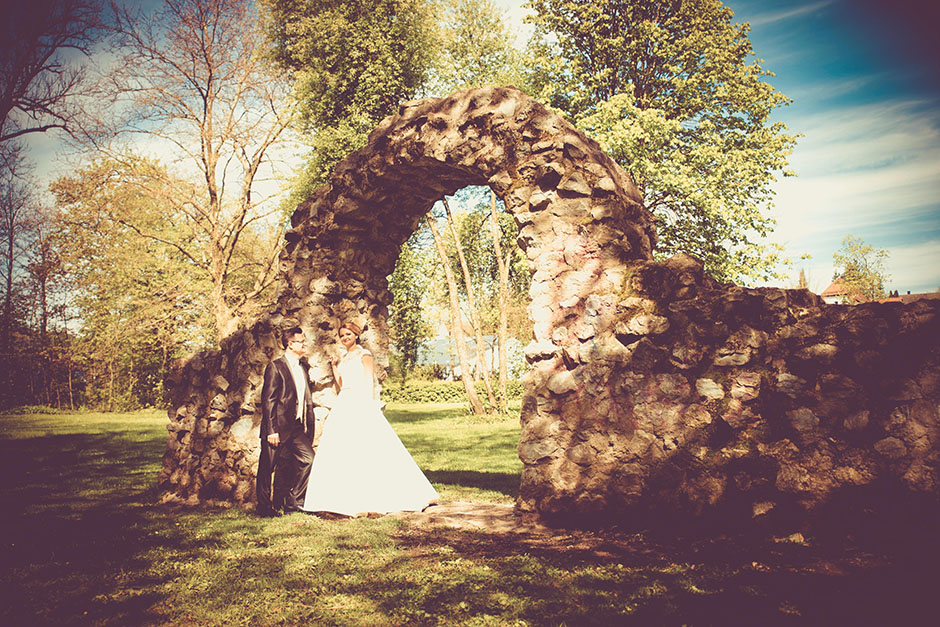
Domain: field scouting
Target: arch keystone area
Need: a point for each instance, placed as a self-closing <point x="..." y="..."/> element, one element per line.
<point x="650" y="384"/>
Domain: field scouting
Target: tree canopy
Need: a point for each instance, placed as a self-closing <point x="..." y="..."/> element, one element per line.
<point x="40" y="74"/>
<point x="861" y="268"/>
<point x="351" y="59"/>
<point x="670" y="89"/>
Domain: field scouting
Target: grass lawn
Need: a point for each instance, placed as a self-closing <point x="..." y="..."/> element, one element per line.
<point x="84" y="543"/>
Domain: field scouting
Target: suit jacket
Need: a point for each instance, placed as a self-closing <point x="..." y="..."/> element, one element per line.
<point x="279" y="400"/>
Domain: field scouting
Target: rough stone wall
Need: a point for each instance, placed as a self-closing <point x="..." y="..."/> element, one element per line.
<point x="761" y="404"/>
<point x="650" y="383"/>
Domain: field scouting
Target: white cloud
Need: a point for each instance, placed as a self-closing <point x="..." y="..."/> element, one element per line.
<point x="872" y="171"/>
<point x="914" y="268"/>
<point x="778" y="16"/>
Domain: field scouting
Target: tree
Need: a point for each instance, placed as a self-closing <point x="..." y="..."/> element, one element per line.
<point x="40" y="75"/>
<point x="472" y="307"/>
<point x="140" y="303"/>
<point x="16" y="204"/>
<point x="47" y="357"/>
<point x="408" y="284"/>
<point x="668" y="88"/>
<point x="350" y="63"/>
<point x="191" y="78"/>
<point x="502" y="266"/>
<point x="476" y="48"/>
<point x="456" y="318"/>
<point x="34" y="340"/>
<point x="861" y="268"/>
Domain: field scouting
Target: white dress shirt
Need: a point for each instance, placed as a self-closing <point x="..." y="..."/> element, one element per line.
<point x="293" y="361"/>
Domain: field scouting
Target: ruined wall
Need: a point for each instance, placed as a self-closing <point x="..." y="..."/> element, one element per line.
<point x="763" y="404"/>
<point x="650" y="383"/>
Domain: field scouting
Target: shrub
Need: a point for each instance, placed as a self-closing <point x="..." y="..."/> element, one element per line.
<point x="31" y="409"/>
<point x="440" y="392"/>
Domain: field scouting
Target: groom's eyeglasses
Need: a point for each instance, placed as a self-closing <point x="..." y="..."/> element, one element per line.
<point x="297" y="342"/>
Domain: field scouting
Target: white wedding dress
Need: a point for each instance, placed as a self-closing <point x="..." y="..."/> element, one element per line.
<point x="360" y="465"/>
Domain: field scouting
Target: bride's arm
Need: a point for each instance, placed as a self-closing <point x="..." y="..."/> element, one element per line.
<point x="337" y="380"/>
<point x="368" y="365"/>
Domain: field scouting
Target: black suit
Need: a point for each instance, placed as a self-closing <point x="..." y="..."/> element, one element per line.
<point x="290" y="461"/>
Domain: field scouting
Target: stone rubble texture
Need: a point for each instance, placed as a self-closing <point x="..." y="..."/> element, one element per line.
<point x="651" y="385"/>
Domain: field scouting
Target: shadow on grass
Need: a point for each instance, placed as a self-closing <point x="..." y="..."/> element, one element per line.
<point x="585" y="578"/>
<point x="78" y="528"/>
<point x="503" y="482"/>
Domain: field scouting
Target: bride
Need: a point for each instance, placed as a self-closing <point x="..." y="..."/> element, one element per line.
<point x="360" y="465"/>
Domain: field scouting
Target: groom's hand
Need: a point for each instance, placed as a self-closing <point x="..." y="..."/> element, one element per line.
<point x="274" y="439"/>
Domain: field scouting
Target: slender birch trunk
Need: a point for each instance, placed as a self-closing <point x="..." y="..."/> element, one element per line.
<point x="474" y="312"/>
<point x="503" y="267"/>
<point x="456" y="331"/>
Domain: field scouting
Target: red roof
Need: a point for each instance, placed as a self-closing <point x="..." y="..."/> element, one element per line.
<point x="838" y="288"/>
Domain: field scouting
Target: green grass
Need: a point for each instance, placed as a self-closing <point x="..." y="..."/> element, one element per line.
<point x="465" y="458"/>
<point x="84" y="543"/>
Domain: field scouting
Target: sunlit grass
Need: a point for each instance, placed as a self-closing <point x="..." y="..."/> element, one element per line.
<point x="84" y="543"/>
<point x="466" y="458"/>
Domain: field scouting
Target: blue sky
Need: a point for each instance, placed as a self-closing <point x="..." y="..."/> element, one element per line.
<point x="864" y="78"/>
<point x="865" y="81"/>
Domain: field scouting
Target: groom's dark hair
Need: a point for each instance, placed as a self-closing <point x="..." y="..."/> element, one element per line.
<point x="288" y="334"/>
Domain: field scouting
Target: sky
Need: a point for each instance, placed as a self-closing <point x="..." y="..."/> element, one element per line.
<point x="864" y="77"/>
<point x="865" y="83"/>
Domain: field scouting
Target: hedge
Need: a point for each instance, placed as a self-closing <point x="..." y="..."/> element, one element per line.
<point x="441" y="392"/>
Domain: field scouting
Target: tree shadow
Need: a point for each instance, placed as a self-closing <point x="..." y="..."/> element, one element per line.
<point x="602" y="578"/>
<point x="80" y="533"/>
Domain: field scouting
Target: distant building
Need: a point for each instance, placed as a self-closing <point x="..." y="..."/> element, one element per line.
<point x="838" y="293"/>
<point x="908" y="298"/>
<point x="441" y="351"/>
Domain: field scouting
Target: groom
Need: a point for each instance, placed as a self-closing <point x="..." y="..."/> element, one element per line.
<point x="287" y="424"/>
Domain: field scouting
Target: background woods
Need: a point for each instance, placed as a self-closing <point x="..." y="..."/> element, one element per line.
<point x="185" y="121"/>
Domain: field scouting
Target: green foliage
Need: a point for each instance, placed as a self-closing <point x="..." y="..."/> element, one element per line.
<point x="350" y="63"/>
<point x="861" y="268"/>
<point x="440" y="392"/>
<point x="141" y="303"/>
<point x="326" y="148"/>
<point x="476" y="48"/>
<point x="669" y="89"/>
<point x="351" y="59"/>
<point x="409" y="285"/>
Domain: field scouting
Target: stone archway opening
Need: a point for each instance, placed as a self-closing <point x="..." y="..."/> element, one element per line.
<point x="580" y="221"/>
<point x="649" y="383"/>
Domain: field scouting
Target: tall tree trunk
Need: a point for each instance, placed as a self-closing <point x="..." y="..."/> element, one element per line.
<point x="67" y="354"/>
<point x="456" y="330"/>
<point x="71" y="392"/>
<point x="503" y="267"/>
<point x="8" y="296"/>
<point x="474" y="312"/>
<point x="111" y="384"/>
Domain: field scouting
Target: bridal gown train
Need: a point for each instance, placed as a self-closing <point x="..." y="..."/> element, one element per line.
<point x="360" y="464"/>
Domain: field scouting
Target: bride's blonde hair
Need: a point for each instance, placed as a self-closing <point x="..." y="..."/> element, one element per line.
<point x="352" y="326"/>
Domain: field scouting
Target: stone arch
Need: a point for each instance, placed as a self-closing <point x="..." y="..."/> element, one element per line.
<point x="581" y="220"/>
<point x="650" y="383"/>
<point x="579" y="214"/>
